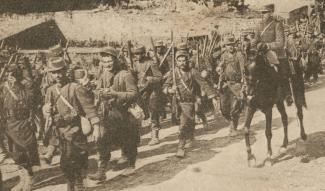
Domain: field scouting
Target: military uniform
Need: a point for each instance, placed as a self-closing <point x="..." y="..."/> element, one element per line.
<point x="149" y="84"/>
<point x="188" y="90"/>
<point x="271" y="33"/>
<point x="231" y="74"/>
<point x="17" y="101"/>
<point x="118" y="127"/>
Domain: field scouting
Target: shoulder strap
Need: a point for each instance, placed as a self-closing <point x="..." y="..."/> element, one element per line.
<point x="65" y="101"/>
<point x="267" y="27"/>
<point x="182" y="81"/>
<point x="11" y="92"/>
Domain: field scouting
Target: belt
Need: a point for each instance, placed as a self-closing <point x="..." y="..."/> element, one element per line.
<point x="187" y="100"/>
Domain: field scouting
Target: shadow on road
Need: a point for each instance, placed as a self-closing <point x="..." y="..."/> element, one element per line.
<point x="307" y="151"/>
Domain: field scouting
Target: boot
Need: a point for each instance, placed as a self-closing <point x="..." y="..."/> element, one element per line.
<point x="70" y="185"/>
<point x="154" y="137"/>
<point x="100" y="174"/>
<point x="79" y="186"/>
<point x="129" y="171"/>
<point x="189" y="143"/>
<point x="233" y="129"/>
<point x="123" y="159"/>
<point x="181" y="148"/>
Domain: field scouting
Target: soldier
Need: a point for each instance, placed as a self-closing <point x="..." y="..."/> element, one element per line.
<point x="164" y="69"/>
<point x="119" y="126"/>
<point x="149" y="84"/>
<point x="231" y="70"/>
<point x="18" y="110"/>
<point x="69" y="101"/>
<point x="50" y="138"/>
<point x="187" y="91"/>
<point x="270" y="35"/>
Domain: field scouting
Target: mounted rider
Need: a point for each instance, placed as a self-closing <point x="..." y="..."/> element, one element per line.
<point x="269" y="35"/>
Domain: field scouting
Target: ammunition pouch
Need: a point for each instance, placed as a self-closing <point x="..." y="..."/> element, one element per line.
<point x="61" y="121"/>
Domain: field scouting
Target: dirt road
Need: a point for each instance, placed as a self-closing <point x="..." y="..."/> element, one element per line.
<point x="218" y="162"/>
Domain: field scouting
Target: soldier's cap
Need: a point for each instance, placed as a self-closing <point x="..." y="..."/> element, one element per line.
<point x="159" y="43"/>
<point x="108" y="51"/>
<point x="55" y="64"/>
<point x="293" y="30"/>
<point x="267" y="8"/>
<point x="139" y="49"/>
<point x="229" y="41"/>
<point x="79" y="73"/>
<point x="55" y="51"/>
<point x="181" y="53"/>
<point x="182" y="46"/>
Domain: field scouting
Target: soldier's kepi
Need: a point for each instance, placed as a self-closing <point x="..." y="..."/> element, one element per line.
<point x="72" y="101"/>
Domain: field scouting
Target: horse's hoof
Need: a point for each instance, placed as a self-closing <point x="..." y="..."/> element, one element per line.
<point x="283" y="150"/>
<point x="251" y="161"/>
<point x="268" y="162"/>
<point x="303" y="136"/>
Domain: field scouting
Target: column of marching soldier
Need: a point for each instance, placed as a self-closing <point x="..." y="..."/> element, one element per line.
<point x="59" y="100"/>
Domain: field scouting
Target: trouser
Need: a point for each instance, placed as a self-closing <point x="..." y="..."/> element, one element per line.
<point x="187" y="120"/>
<point x="74" y="157"/>
<point x="311" y="71"/>
<point x="120" y="132"/>
<point x="230" y="105"/>
<point x="155" y="120"/>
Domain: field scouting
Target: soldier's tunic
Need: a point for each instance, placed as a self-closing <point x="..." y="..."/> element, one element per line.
<point x="230" y="96"/>
<point x="150" y="91"/>
<point x="120" y="125"/>
<point x="271" y="32"/>
<point x="73" y="144"/>
<point x="17" y="101"/>
<point x="188" y="85"/>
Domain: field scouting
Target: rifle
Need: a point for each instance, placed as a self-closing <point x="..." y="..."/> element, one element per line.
<point x="166" y="54"/>
<point x="66" y="52"/>
<point x="198" y="56"/>
<point x="154" y="50"/>
<point x="174" y="98"/>
<point x="130" y="55"/>
<point x="4" y="70"/>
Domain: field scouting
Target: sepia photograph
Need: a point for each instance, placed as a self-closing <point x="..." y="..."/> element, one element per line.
<point x="162" y="95"/>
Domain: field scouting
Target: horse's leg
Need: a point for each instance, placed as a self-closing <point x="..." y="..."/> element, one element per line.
<point x="268" y="134"/>
<point x="300" y="116"/>
<point x="284" y="118"/>
<point x="249" y="116"/>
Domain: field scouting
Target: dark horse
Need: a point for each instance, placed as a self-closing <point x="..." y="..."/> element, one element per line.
<point x="263" y="86"/>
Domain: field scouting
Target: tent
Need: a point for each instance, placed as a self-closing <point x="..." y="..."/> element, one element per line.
<point x="39" y="36"/>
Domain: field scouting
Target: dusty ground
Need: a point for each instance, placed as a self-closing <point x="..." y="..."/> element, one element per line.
<point x="218" y="162"/>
